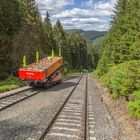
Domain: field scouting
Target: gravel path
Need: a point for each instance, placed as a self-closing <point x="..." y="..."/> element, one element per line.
<point x="25" y="119"/>
<point x="105" y="127"/>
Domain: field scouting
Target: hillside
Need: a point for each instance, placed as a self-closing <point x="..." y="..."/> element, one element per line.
<point x="98" y="40"/>
<point x="88" y="35"/>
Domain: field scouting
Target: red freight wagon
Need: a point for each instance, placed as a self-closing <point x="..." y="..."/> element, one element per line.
<point x="43" y="72"/>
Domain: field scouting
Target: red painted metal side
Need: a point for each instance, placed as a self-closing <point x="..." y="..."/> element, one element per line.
<point x="32" y="74"/>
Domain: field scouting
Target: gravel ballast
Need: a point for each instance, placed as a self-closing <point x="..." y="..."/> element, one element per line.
<point x="106" y="128"/>
<point x="25" y="119"/>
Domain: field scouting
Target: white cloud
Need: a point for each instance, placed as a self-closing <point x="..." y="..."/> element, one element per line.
<point x="83" y="19"/>
<point x="87" y="20"/>
<point x="105" y="5"/>
<point x="53" y="6"/>
<point x="83" y="23"/>
<point x="96" y="17"/>
<point x="76" y="12"/>
<point x="98" y="27"/>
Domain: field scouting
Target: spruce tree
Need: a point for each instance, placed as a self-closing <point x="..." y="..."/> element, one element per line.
<point x="50" y="41"/>
<point x="122" y="41"/>
<point x="59" y="35"/>
<point x="10" y="22"/>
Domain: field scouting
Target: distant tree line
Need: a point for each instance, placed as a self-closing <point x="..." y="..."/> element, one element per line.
<point x="22" y="32"/>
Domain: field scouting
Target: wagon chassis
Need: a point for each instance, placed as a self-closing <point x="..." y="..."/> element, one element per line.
<point x="47" y="83"/>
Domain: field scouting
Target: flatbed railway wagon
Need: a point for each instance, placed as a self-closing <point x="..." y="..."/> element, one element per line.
<point x="43" y="73"/>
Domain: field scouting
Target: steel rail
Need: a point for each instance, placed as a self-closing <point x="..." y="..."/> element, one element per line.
<point x="12" y="94"/>
<point x="47" y="129"/>
<point x="86" y="102"/>
<point x="16" y="93"/>
<point x="17" y="101"/>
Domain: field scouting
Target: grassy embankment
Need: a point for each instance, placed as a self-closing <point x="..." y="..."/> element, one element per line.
<point x="123" y="80"/>
<point x="11" y="83"/>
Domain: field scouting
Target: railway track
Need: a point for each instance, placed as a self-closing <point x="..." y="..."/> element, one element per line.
<point x="70" y="122"/>
<point x="5" y="95"/>
<point x="9" y="100"/>
<point x="75" y="119"/>
<point x="16" y="97"/>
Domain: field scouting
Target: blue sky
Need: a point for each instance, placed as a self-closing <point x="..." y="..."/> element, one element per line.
<point x="79" y="14"/>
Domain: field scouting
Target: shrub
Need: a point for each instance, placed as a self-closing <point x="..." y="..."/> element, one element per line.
<point x="123" y="79"/>
<point x="134" y="105"/>
<point x="11" y="83"/>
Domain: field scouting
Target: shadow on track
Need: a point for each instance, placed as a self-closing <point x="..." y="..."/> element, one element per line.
<point x="61" y="86"/>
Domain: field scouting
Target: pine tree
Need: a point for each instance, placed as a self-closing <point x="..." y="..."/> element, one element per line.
<point x="50" y="41"/>
<point x="28" y="39"/>
<point x="75" y="52"/>
<point x="60" y="36"/>
<point x="9" y="26"/>
<point x="48" y="22"/>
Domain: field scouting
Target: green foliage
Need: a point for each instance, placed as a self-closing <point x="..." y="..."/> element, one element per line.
<point x="75" y="52"/>
<point x="134" y="105"/>
<point x="59" y="36"/>
<point x="94" y="53"/>
<point x="20" y="34"/>
<point x="50" y="42"/>
<point x="97" y="41"/>
<point x="123" y="79"/>
<point x="122" y="41"/>
<point x="10" y="23"/>
<point x="9" y="19"/>
<point x="119" y="66"/>
<point x="11" y="83"/>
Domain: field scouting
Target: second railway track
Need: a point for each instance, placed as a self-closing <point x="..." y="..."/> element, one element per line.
<point x="10" y="100"/>
<point x="16" y="97"/>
